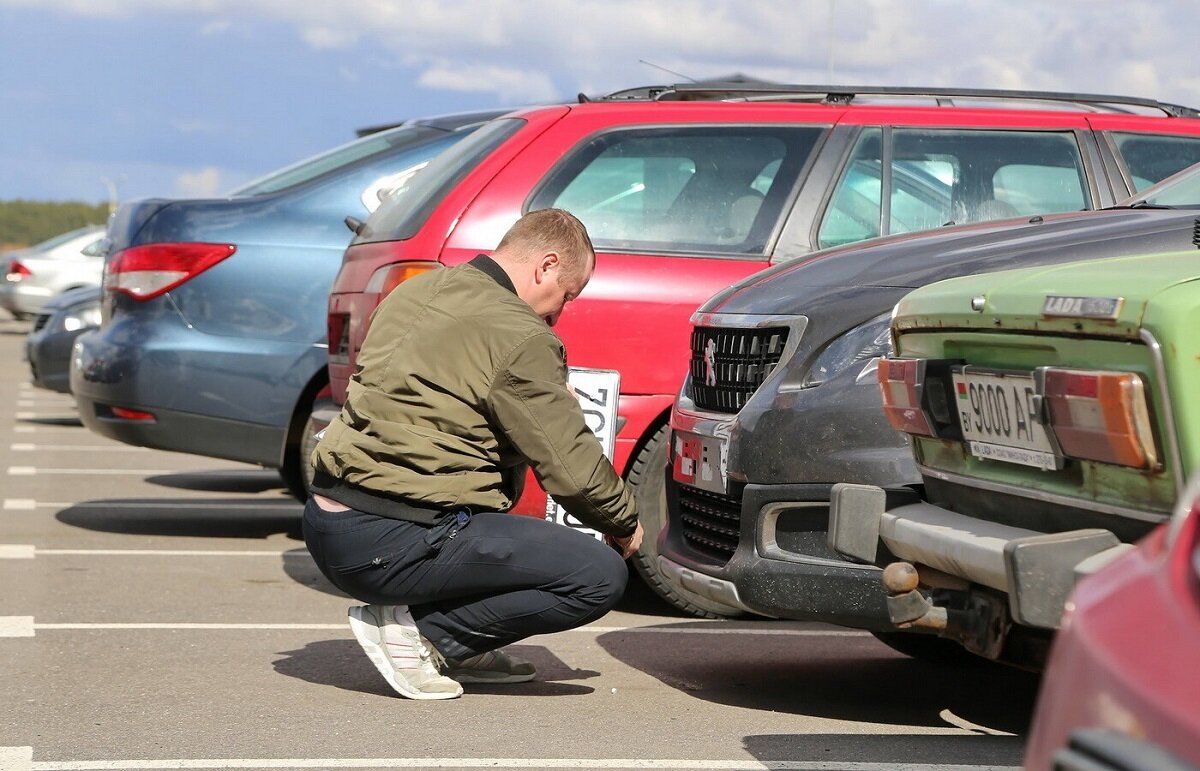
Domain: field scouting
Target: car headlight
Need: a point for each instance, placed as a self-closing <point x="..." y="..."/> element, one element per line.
<point x="81" y="317"/>
<point x="864" y="343"/>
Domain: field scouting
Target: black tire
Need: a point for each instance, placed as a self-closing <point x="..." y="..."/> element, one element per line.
<point x="646" y="477"/>
<point x="928" y="648"/>
<point x="297" y="470"/>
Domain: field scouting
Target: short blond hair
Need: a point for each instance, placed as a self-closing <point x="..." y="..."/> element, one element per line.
<point x="551" y="230"/>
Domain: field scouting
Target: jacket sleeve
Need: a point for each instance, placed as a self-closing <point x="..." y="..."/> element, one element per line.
<point x="533" y="408"/>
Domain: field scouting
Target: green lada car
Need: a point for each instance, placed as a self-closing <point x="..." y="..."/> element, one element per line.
<point x="1055" y="417"/>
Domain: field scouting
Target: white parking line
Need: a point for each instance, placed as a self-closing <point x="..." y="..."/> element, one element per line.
<point x="24" y="429"/>
<point x="27" y="447"/>
<point x="21" y="759"/>
<point x="16" y="551"/>
<point x="165" y="552"/>
<point x="33" y="471"/>
<point x="24" y="626"/>
<point x="28" y="504"/>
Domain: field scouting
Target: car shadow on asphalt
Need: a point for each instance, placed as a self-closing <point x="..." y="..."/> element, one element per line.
<point x="72" y="421"/>
<point x="251" y="480"/>
<point x="190" y="518"/>
<point x="342" y="664"/>
<point x="853" y="677"/>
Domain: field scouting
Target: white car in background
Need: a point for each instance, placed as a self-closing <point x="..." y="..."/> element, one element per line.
<point x="34" y="275"/>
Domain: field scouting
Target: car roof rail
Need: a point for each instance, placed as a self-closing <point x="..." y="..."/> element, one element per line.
<point x="823" y="94"/>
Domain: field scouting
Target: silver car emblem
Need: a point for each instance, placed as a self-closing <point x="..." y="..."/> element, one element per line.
<point x="710" y="363"/>
<point x="1082" y="307"/>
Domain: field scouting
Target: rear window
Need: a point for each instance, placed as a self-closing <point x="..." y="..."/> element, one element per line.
<point x="712" y="189"/>
<point x="337" y="158"/>
<point x="1151" y="158"/>
<point x="403" y="211"/>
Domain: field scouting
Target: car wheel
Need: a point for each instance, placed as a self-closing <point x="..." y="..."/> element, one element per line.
<point x="297" y="470"/>
<point x="649" y="489"/>
<point x="928" y="648"/>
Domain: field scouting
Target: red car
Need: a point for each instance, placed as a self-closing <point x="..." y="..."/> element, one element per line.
<point x="684" y="194"/>
<point x="1122" y="690"/>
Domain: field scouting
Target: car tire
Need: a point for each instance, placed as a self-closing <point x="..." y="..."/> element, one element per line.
<point x="297" y="470"/>
<point x="928" y="648"/>
<point x="646" y="477"/>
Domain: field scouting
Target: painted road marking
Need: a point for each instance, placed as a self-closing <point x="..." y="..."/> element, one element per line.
<point x="26" y="447"/>
<point x="24" y="429"/>
<point x="29" y="503"/>
<point x="21" y="759"/>
<point x="26" y="626"/>
<point x="32" y="471"/>
<point x="16" y="551"/>
<point x="169" y="552"/>
<point x="16" y="626"/>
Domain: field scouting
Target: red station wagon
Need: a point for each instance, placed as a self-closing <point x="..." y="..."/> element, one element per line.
<point x="686" y="190"/>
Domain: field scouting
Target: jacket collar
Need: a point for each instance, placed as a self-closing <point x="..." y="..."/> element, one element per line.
<point x="489" y="266"/>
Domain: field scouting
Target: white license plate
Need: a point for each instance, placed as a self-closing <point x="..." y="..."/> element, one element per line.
<point x="998" y="419"/>
<point x="700" y="461"/>
<point x="598" y="392"/>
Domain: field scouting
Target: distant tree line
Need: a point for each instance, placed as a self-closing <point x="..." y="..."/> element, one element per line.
<point x="23" y="223"/>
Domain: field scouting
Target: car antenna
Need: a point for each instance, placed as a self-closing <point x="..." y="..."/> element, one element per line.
<point x="664" y="69"/>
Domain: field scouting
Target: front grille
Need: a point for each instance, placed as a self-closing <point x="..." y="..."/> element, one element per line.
<point x="728" y="365"/>
<point x="40" y="321"/>
<point x="710" y="522"/>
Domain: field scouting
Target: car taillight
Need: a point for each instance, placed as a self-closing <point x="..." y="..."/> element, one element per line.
<point x="901" y="382"/>
<point x="387" y="278"/>
<point x="17" y="272"/>
<point x="338" y="327"/>
<point x="1099" y="416"/>
<point x="144" y="272"/>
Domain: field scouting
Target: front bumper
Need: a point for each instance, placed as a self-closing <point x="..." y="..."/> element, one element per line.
<point x="781" y="566"/>
<point x="1034" y="570"/>
<point x="48" y="351"/>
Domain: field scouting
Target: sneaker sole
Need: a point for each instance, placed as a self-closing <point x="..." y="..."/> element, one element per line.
<point x="383" y="663"/>
<point x="498" y="679"/>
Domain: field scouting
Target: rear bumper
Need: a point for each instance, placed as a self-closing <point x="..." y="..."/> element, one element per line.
<point x="222" y="397"/>
<point x="1035" y="570"/>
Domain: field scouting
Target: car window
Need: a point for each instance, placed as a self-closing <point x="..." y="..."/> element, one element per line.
<point x="1154" y="157"/>
<point x="403" y="211"/>
<point x="938" y="177"/>
<point x="1180" y="191"/>
<point x="94" y="249"/>
<point x="309" y="169"/>
<point x="683" y="188"/>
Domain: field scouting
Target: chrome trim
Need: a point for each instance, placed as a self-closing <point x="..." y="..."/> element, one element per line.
<point x="768" y="545"/>
<point x="796" y="325"/>
<point x="1160" y="370"/>
<point x="1039" y="495"/>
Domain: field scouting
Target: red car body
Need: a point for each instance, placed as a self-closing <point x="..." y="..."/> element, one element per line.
<point x="1125" y="667"/>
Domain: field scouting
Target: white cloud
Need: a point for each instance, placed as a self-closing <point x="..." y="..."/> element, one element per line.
<point x="510" y="84"/>
<point x="216" y="27"/>
<point x="533" y="48"/>
<point x="201" y="183"/>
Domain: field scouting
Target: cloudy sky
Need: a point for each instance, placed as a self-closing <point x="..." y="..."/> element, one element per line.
<point x="193" y="97"/>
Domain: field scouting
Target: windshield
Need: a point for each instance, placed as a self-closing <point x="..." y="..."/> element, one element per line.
<point x="1180" y="191"/>
<point x="336" y="158"/>
<point x="59" y="240"/>
<point x="404" y="210"/>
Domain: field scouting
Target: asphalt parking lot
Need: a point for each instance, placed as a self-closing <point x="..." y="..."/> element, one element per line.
<point x="159" y="610"/>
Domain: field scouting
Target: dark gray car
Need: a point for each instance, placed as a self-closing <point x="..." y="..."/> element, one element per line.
<point x="781" y="402"/>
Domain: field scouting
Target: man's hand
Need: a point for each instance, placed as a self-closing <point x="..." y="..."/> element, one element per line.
<point x="627" y="545"/>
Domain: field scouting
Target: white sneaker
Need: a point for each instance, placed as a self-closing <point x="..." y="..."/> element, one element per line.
<point x="396" y="650"/>
<point x="490" y="667"/>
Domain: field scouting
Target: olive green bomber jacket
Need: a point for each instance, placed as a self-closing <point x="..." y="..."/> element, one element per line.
<point x="459" y="385"/>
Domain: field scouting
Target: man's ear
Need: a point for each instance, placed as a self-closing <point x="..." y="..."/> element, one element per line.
<point x="548" y="262"/>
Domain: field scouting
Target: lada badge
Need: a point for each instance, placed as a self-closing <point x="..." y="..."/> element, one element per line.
<point x="1082" y="307"/>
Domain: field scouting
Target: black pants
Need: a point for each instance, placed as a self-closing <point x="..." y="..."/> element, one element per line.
<point x="472" y="584"/>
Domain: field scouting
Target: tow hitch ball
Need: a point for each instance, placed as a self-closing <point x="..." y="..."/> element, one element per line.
<point x="980" y="627"/>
